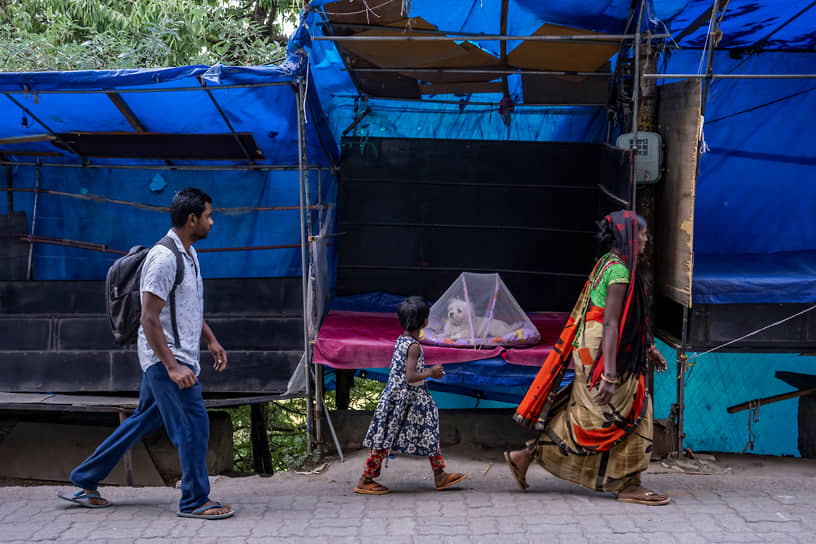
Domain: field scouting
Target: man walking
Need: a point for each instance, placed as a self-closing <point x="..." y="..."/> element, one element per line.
<point x="170" y="392"/>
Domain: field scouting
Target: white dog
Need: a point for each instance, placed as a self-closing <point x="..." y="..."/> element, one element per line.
<point x="458" y="325"/>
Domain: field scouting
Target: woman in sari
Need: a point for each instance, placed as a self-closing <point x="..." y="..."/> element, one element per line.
<point x="597" y="432"/>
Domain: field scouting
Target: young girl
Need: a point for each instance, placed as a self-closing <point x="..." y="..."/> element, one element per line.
<point x="406" y="419"/>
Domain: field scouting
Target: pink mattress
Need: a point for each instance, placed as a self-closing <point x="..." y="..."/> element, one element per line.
<point x="366" y="340"/>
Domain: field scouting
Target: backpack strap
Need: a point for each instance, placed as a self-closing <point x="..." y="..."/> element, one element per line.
<point x="170" y="244"/>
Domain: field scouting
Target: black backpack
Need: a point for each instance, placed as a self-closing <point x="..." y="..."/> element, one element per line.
<point x="123" y="302"/>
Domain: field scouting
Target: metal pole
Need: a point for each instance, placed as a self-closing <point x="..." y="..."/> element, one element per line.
<point x="455" y="36"/>
<point x="307" y="196"/>
<point x="194" y="167"/>
<point x="497" y="72"/>
<point x="10" y="194"/>
<point x="320" y="199"/>
<point x="682" y="358"/>
<point x="30" y="268"/>
<point x="729" y="76"/>
<point x="474" y="102"/>
<point x="635" y="98"/>
<point x="150" y="90"/>
<point x="320" y="405"/>
<point x="709" y="62"/>
<point x="304" y="270"/>
<point x="223" y="115"/>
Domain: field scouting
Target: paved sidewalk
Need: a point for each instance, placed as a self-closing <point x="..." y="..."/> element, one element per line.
<point x="756" y="499"/>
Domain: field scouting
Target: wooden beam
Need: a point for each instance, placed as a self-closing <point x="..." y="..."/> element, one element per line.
<point x="10" y="194"/>
<point x="503" y="47"/>
<point x="462" y="87"/>
<point x="126" y="112"/>
<point x="68" y="146"/>
<point x="701" y="19"/>
<point x="770" y="400"/>
<point x="28" y="153"/>
<point x="30" y="138"/>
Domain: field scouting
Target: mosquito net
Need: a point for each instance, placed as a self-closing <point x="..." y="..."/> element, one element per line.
<point x="478" y="310"/>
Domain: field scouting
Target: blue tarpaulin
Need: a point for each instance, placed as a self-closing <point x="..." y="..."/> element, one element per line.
<point x="261" y="101"/>
<point x="754" y="236"/>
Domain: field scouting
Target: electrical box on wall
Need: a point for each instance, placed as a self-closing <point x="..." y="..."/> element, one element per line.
<point x="649" y="155"/>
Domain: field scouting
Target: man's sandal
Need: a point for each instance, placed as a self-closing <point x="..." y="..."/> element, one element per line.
<point x="84" y="499"/>
<point x="371" y="488"/>
<point x="199" y="512"/>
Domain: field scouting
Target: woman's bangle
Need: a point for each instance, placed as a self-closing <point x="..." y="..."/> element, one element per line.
<point x="614" y="380"/>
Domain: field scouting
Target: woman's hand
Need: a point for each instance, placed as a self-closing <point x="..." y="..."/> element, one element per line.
<point x="437" y="372"/>
<point x="656" y="358"/>
<point x="605" y="392"/>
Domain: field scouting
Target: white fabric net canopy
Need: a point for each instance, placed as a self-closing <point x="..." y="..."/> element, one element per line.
<point x="479" y="310"/>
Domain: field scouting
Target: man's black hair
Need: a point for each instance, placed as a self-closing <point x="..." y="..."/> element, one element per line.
<point x="187" y="201"/>
<point x="412" y="313"/>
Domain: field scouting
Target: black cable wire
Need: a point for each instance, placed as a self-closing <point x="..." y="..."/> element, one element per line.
<point x="761" y="105"/>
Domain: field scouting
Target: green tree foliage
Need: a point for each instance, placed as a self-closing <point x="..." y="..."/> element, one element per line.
<point x="38" y="35"/>
<point x="286" y="426"/>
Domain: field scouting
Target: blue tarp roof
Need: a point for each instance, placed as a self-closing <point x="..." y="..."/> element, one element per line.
<point x="258" y="100"/>
<point x="754" y="191"/>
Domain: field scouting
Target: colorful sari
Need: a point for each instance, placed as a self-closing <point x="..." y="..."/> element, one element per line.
<point x="600" y="447"/>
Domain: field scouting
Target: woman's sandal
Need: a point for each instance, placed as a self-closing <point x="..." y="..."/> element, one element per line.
<point x="371" y="488"/>
<point x="514" y="470"/>
<point x="646" y="499"/>
<point x="450" y="479"/>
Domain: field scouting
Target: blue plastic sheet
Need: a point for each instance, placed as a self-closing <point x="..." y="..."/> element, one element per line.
<point x="744" y="279"/>
<point x="60" y="102"/>
<point x="754" y="233"/>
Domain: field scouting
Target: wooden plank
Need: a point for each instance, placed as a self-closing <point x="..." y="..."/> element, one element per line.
<point x="554" y="90"/>
<point x="87" y="403"/>
<point x="575" y="57"/>
<point x="27" y="153"/>
<point x="46" y="451"/>
<point x="28" y="138"/>
<point x="463" y="87"/>
<point x="679" y="125"/>
<point x="126" y="112"/>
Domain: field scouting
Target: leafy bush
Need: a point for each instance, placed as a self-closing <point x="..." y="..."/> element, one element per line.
<point x="286" y="427"/>
<point x="37" y="35"/>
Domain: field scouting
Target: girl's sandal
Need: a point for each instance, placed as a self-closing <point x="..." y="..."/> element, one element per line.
<point x="449" y="480"/>
<point x="371" y="488"/>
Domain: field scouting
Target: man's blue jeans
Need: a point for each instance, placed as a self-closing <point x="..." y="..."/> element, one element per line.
<point x="185" y="418"/>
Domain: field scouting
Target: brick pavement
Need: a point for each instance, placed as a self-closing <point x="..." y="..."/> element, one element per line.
<point x="758" y="500"/>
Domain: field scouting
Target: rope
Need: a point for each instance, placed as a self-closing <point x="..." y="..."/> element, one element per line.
<point x="368" y="9"/>
<point x="151" y="207"/>
<point x="794" y="95"/>
<point x="766" y="327"/>
<point x="753" y="417"/>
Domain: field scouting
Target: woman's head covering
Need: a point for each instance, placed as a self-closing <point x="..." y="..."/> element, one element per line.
<point x="634" y="340"/>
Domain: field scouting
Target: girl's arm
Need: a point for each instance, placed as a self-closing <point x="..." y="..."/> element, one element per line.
<point x="411" y="360"/>
<point x="609" y="344"/>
